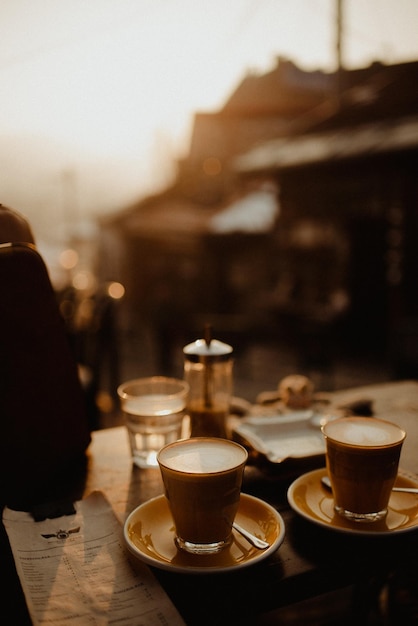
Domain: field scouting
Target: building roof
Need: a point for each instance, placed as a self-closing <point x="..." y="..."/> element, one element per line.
<point x="377" y="113"/>
<point x="341" y="143"/>
<point x="286" y="90"/>
<point x="375" y="93"/>
<point x="254" y="212"/>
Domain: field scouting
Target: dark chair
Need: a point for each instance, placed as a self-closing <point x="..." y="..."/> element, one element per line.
<point x="44" y="431"/>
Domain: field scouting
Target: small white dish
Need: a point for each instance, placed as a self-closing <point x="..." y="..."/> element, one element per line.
<point x="310" y="499"/>
<point x="278" y="438"/>
<point x="149" y="535"/>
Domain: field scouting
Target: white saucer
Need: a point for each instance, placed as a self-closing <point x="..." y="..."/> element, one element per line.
<point x="149" y="535"/>
<point x="308" y="497"/>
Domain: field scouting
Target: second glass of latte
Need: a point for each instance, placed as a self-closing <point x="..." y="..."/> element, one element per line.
<point x="362" y="457"/>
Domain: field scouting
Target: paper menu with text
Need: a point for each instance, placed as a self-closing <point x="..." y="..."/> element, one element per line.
<point x="76" y="569"/>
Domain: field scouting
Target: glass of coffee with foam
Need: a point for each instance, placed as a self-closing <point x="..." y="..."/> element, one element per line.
<point x="362" y="457"/>
<point x="202" y="478"/>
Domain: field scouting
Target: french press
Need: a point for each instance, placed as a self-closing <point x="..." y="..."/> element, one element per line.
<point x="208" y="370"/>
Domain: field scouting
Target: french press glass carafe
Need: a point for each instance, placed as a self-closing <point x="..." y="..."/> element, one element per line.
<point x="208" y="370"/>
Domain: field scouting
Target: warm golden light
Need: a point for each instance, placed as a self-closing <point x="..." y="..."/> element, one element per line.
<point x="116" y="290"/>
<point x="129" y="76"/>
<point x="83" y="281"/>
<point x="68" y="259"/>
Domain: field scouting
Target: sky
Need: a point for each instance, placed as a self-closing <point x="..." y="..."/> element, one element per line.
<point x="98" y="96"/>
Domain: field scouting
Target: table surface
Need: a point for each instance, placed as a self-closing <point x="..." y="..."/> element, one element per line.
<point x="311" y="561"/>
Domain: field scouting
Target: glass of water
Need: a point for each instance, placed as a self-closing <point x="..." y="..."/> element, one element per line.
<point x="154" y="410"/>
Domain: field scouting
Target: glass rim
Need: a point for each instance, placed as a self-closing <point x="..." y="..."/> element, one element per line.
<point x="193" y="440"/>
<point x="352" y="418"/>
<point x="183" y="386"/>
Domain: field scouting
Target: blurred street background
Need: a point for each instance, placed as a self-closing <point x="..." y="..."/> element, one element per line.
<point x="250" y="165"/>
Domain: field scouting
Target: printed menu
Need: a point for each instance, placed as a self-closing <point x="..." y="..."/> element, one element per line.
<point x="76" y="569"/>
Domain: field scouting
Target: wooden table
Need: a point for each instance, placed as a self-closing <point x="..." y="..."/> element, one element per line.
<point x="312" y="560"/>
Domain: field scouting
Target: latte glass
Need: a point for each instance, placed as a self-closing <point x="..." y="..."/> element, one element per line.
<point x="202" y="479"/>
<point x="362" y="456"/>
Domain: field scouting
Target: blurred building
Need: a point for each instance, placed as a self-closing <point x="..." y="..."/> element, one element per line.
<point x="349" y="219"/>
<point x="262" y="107"/>
<point x="293" y="216"/>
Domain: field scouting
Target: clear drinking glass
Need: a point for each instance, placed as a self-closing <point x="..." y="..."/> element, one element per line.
<point x="202" y="480"/>
<point x="362" y="456"/>
<point x="154" y="410"/>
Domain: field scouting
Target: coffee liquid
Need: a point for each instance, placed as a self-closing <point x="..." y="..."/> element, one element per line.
<point x="202" y="479"/>
<point x="362" y="460"/>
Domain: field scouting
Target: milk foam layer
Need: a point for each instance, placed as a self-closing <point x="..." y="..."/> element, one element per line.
<point x="204" y="456"/>
<point x="364" y="432"/>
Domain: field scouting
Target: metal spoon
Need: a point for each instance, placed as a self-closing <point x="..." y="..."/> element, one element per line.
<point x="252" y="539"/>
<point x="327" y="483"/>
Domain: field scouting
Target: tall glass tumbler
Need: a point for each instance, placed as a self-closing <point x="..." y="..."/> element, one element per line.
<point x="154" y="410"/>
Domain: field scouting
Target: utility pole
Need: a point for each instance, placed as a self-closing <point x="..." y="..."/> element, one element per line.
<point x="69" y="201"/>
<point x="339" y="37"/>
<point x="339" y="34"/>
